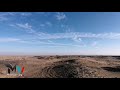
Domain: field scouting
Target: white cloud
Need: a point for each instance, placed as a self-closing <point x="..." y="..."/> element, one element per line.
<point x="25" y="14"/>
<point x="40" y="13"/>
<point x="15" y="40"/>
<point x="7" y="13"/>
<point x="46" y="14"/>
<point x="42" y="25"/>
<point x="76" y="36"/>
<point x="48" y="23"/>
<point x="11" y="13"/>
<point x="4" y="16"/>
<point x="72" y="35"/>
<point x="26" y="27"/>
<point x="60" y="16"/>
<point x="56" y="44"/>
<point x="77" y="39"/>
<point x="9" y="39"/>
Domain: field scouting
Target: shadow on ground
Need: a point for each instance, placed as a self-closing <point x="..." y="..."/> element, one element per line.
<point x="112" y="69"/>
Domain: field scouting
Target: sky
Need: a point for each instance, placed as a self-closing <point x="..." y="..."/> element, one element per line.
<point x="59" y="33"/>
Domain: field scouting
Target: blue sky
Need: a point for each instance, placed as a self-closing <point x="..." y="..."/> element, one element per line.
<point x="59" y="33"/>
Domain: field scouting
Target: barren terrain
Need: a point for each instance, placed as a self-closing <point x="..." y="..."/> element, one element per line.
<point x="63" y="66"/>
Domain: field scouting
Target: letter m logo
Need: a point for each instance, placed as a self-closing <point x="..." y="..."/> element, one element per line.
<point x="11" y="68"/>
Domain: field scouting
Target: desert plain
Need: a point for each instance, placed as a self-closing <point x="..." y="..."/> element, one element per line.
<point x="63" y="66"/>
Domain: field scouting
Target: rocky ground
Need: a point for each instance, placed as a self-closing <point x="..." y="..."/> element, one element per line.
<point x="63" y="66"/>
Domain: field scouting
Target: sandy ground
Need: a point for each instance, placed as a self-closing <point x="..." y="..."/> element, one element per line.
<point x="63" y="66"/>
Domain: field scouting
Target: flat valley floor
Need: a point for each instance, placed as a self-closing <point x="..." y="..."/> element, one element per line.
<point x="63" y="66"/>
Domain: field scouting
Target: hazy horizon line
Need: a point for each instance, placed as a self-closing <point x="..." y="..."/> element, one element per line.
<point x="61" y="55"/>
